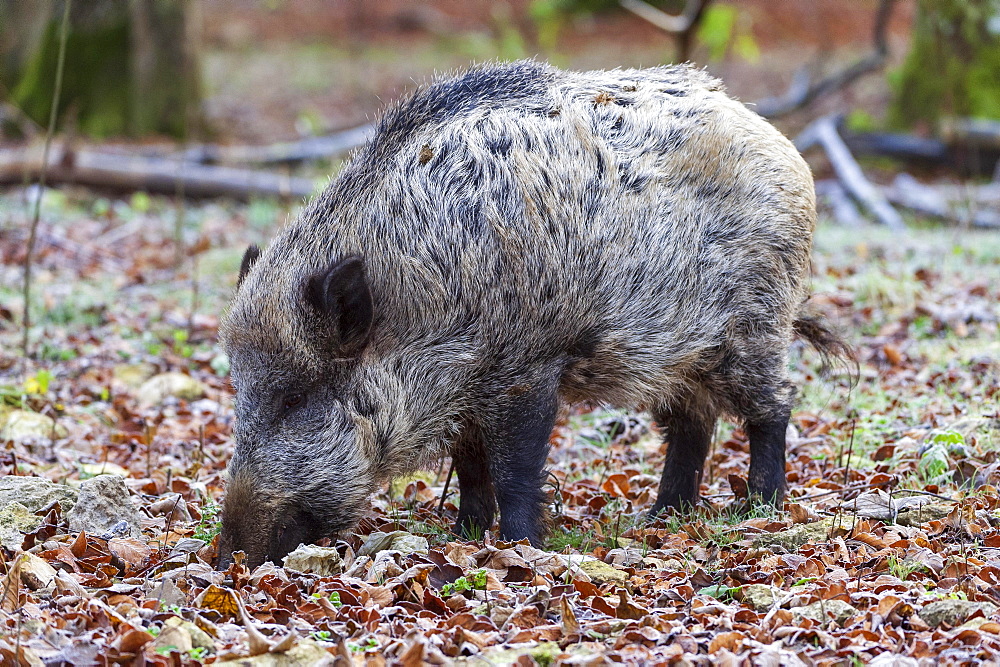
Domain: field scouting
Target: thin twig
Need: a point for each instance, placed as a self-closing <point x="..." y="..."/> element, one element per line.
<point x="800" y="93"/>
<point x="672" y="23"/>
<point x="863" y="487"/>
<point x="447" y="481"/>
<point x="850" y="452"/>
<point x="919" y="492"/>
<point x="53" y="114"/>
<point x="180" y="209"/>
<point x="682" y="25"/>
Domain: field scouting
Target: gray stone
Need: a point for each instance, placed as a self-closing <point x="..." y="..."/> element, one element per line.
<point x="15" y="521"/>
<point x="302" y="652"/>
<point x="893" y="660"/>
<point x="917" y="516"/>
<point x="188" y="631"/>
<point x="822" y="610"/>
<point x="953" y="612"/>
<point x="759" y="596"/>
<point x="800" y="534"/>
<point x="603" y="573"/>
<point x="35" y="493"/>
<point x="103" y="502"/>
<point x="133" y="375"/>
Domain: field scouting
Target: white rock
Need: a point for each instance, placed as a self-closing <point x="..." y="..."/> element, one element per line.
<point x="822" y="610"/>
<point x="159" y="387"/>
<point x="310" y="559"/>
<point x="26" y="425"/>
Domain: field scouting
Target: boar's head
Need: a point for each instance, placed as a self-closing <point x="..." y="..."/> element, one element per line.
<point x="303" y="465"/>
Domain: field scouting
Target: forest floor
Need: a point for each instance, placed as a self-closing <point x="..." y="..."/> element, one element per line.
<point x="889" y="541"/>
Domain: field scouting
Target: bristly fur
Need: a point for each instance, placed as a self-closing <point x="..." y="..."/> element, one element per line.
<point x="529" y="236"/>
<point x="830" y="345"/>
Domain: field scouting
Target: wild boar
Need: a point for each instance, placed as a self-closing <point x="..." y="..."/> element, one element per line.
<point x="512" y="238"/>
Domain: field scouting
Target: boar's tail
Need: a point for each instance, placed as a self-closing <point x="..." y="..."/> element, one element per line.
<point x="831" y="346"/>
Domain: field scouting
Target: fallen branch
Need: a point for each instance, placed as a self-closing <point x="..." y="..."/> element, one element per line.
<point x="934" y="201"/>
<point x="969" y="146"/>
<point x="845" y="212"/>
<point x="672" y="23"/>
<point x="981" y="133"/>
<point x="682" y="25"/>
<point x="900" y="147"/>
<point x="801" y="93"/>
<point x="155" y="175"/>
<point x="981" y="195"/>
<point x="14" y="117"/>
<point x="823" y="132"/>
<point x="311" y="148"/>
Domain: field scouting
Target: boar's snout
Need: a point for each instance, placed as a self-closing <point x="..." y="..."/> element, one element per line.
<point x="263" y="527"/>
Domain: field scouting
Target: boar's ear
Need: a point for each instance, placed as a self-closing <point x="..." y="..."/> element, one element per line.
<point x="249" y="259"/>
<point x="342" y="294"/>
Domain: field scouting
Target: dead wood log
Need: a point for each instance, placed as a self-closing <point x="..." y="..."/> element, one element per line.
<point x="802" y="93"/>
<point x="981" y="195"/>
<point x="940" y="202"/>
<point x="904" y="147"/>
<point x="980" y="133"/>
<point x="156" y="175"/>
<point x="845" y="212"/>
<point x="970" y="149"/>
<point x="823" y="132"/>
<point x="311" y="148"/>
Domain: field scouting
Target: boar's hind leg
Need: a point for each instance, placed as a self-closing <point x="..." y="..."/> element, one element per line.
<point x="517" y="437"/>
<point x="477" y="506"/>
<point x="762" y="396"/>
<point x="687" y="430"/>
<point x="766" y="480"/>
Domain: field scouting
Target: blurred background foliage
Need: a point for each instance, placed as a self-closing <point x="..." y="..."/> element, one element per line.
<point x="952" y="67"/>
<point x="131" y="67"/>
<point x="172" y="67"/>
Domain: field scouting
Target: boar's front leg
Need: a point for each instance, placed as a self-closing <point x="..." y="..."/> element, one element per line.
<point x="517" y="433"/>
<point x="478" y="505"/>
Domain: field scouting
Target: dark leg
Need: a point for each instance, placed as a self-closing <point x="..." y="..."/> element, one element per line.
<point x="767" y="459"/>
<point x="688" y="432"/>
<point x="517" y="437"/>
<point x="762" y="396"/>
<point x="751" y="383"/>
<point x="478" y="506"/>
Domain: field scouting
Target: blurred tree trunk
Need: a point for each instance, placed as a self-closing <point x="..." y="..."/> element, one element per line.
<point x="953" y="67"/>
<point x="132" y="66"/>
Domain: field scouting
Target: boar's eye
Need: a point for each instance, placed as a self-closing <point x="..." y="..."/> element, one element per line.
<point x="292" y="401"/>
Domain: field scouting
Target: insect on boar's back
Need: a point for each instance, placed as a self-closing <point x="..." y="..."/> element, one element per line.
<point x="511" y="238"/>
